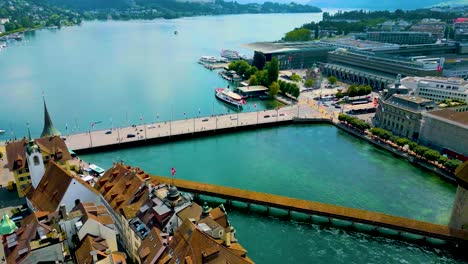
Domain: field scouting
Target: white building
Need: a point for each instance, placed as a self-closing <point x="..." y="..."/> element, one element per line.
<point x="438" y="88"/>
<point x="59" y="187"/>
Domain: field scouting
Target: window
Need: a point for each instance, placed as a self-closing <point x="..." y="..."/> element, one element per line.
<point x="36" y="161"/>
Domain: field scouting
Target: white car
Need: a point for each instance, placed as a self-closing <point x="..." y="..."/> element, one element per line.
<point x="151" y="126"/>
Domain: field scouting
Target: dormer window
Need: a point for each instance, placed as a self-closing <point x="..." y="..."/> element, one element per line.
<point x="58" y="155"/>
<point x="36" y="161"/>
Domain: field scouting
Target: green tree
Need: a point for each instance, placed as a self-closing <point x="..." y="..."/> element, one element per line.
<point x="442" y="160"/>
<point x="452" y="164"/>
<point x="381" y="133"/>
<point x="295" y="91"/>
<point x="259" y="60"/>
<point x="1" y="155"/>
<point x="412" y="145"/>
<point x="273" y="89"/>
<point x="352" y="90"/>
<point x="251" y="71"/>
<point x="316" y="32"/>
<point x="402" y="141"/>
<point x="253" y="80"/>
<point x="295" y="77"/>
<point x="243" y="67"/>
<point x="273" y="70"/>
<point x="332" y="79"/>
<point x="300" y="34"/>
<point x="262" y="77"/>
<point x="309" y="83"/>
<point x="432" y="155"/>
<point x="54" y="20"/>
<point x="420" y="150"/>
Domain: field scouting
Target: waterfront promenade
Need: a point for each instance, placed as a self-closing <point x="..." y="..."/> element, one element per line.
<point x="375" y="219"/>
<point x="86" y="142"/>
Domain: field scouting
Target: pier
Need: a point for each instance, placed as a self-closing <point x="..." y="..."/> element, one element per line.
<point x="377" y="220"/>
<point x="142" y="134"/>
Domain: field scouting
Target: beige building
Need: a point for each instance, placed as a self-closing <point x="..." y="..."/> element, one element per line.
<point x="438" y="88"/>
<point x="445" y="129"/>
<point x="401" y="114"/>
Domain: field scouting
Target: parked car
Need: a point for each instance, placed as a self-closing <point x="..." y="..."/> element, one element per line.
<point x="266" y="116"/>
<point x="151" y="126"/>
<point x="108" y="132"/>
<point x="131" y="135"/>
<point x="204" y="119"/>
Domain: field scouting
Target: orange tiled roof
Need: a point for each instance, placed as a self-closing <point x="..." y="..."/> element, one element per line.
<point x="51" y="189"/>
<point x="189" y="241"/>
<point x="16" y="151"/>
<point x="124" y="189"/>
<point x="98" y="213"/>
<point x="54" y="145"/>
<point x="151" y="247"/>
<point x="91" y="243"/>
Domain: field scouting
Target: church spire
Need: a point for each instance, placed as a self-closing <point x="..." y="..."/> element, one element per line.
<point x="49" y="129"/>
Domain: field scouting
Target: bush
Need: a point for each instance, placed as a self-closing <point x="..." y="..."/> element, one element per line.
<point x="353" y="121"/>
<point x="296" y="77"/>
<point x="442" y="160"/>
<point x="381" y="133"/>
<point x="339" y="95"/>
<point x="401" y="141"/>
<point x="433" y="155"/>
<point x="309" y="83"/>
<point x="332" y="79"/>
<point x="253" y="80"/>
<point x="452" y="164"/>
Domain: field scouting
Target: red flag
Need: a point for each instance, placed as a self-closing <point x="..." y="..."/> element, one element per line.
<point x="243" y="101"/>
<point x="439" y="68"/>
<point x="173" y="171"/>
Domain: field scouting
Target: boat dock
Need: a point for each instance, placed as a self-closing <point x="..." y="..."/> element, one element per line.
<point x="251" y="91"/>
<point x="374" y="219"/>
<point x="214" y="66"/>
<point x="144" y="134"/>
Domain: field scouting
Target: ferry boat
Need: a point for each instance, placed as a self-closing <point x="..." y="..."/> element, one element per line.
<point x="230" y="54"/>
<point x="229" y="97"/>
<point x="208" y="59"/>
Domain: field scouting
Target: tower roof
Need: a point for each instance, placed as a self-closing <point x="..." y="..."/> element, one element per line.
<point x="7" y="226"/>
<point x="49" y="129"/>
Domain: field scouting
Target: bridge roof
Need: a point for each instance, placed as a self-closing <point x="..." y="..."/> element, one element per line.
<point x="322" y="209"/>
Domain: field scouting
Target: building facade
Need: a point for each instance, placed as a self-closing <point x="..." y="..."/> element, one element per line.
<point x="445" y="130"/>
<point x="406" y="66"/>
<point x="460" y="26"/>
<point x="401" y="114"/>
<point x="401" y="37"/>
<point x="437" y="88"/>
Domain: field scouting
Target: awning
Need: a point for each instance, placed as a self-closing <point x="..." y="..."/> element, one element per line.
<point x="96" y="168"/>
<point x="71" y="152"/>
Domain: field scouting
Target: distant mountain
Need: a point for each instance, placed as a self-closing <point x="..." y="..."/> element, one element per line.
<point x="381" y="5"/>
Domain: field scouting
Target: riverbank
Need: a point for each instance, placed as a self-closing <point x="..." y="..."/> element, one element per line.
<point x="418" y="162"/>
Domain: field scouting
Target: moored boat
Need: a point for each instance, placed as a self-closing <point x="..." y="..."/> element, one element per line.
<point x="2" y="131"/>
<point x="230" y="54"/>
<point x="229" y="97"/>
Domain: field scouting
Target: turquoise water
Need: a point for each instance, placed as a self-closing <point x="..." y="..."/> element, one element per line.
<point x="119" y="71"/>
<point x="116" y="72"/>
<point x="313" y="162"/>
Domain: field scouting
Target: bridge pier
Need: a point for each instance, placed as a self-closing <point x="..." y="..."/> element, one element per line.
<point x="289" y="213"/>
<point x="267" y="210"/>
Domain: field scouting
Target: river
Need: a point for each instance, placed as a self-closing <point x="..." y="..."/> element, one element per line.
<point x="117" y="72"/>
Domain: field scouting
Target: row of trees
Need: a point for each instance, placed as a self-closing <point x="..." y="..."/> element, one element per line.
<point x="354" y="90"/>
<point x="421" y="151"/>
<point x="289" y="88"/>
<point x="410" y="15"/>
<point x="243" y="68"/>
<point x="353" y="121"/>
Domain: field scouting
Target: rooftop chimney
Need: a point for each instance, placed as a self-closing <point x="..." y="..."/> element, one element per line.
<point x="94" y="254"/>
